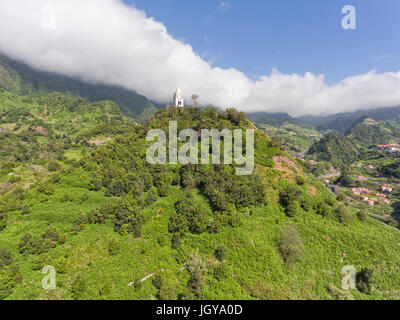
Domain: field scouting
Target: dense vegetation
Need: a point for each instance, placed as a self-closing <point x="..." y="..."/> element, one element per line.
<point x="80" y="196"/>
<point x="18" y="77"/>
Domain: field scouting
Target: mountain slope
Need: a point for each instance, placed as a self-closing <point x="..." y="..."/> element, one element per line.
<point x="20" y="78"/>
<point x="104" y="218"/>
<point x="340" y="122"/>
<point x="367" y="131"/>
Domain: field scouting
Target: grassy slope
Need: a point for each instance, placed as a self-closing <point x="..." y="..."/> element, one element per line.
<point x="255" y="268"/>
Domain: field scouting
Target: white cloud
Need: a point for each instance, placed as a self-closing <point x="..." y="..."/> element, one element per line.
<point x="224" y="6"/>
<point x="105" y="41"/>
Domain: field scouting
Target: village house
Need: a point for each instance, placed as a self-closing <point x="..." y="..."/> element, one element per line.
<point x="371" y="202"/>
<point x="364" y="198"/>
<point x="392" y="148"/>
<point x="387" y="189"/>
<point x="359" y="191"/>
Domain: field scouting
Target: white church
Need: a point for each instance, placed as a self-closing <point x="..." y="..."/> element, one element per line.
<point x="178" y="98"/>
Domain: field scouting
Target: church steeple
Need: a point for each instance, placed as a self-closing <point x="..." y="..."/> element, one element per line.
<point x="178" y="98"/>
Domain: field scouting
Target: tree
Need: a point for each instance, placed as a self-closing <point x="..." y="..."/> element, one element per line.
<point x="195" y="99"/>
<point x="364" y="280"/>
<point x="197" y="269"/>
<point x="129" y="217"/>
<point x="78" y="287"/>
<point x="361" y="215"/>
<point x="220" y="253"/>
<point x="343" y="214"/>
<point x="291" y="245"/>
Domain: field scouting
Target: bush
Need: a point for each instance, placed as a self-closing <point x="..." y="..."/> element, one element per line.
<point x="176" y="241"/>
<point x="189" y="215"/>
<point x="80" y="222"/>
<point x="343" y="215"/>
<point x="321" y="208"/>
<point x="3" y="220"/>
<point x="78" y="287"/>
<point x="341" y="197"/>
<point x="361" y="215"/>
<point x="54" y="166"/>
<point x="157" y="282"/>
<point x="220" y="253"/>
<point x="291" y="245"/>
<point x="221" y="272"/>
<point x="151" y="196"/>
<point x="46" y="188"/>
<point x="5" y="258"/>
<point x="26" y="209"/>
<point x="113" y="247"/>
<point x="102" y="213"/>
<point x="289" y="200"/>
<point x="292" y="209"/>
<point x="197" y="269"/>
<point x="365" y="280"/>
<point x="129" y="217"/>
<point x="51" y="234"/>
<point x="138" y="284"/>
<point x="163" y="190"/>
<point x="300" y="180"/>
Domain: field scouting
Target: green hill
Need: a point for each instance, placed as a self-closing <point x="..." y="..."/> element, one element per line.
<point x="105" y="219"/>
<point x="20" y="78"/>
<point x="358" y="142"/>
<point x="367" y="132"/>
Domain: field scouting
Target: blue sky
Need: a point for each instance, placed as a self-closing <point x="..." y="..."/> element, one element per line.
<point x="292" y="36"/>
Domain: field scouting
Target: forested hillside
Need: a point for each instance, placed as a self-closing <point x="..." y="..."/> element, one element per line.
<point x="78" y="194"/>
<point x="20" y="78"/>
<point x="357" y="144"/>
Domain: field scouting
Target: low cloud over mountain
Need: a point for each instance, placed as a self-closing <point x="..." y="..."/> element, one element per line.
<point x="106" y="41"/>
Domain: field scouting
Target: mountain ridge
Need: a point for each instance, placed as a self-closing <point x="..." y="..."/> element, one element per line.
<point x="20" y="78"/>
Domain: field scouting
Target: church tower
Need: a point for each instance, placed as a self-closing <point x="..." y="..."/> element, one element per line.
<point x="178" y="98"/>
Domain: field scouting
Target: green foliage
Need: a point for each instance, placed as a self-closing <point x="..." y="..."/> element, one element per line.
<point x="39" y="244"/>
<point x="364" y="280"/>
<point x="220" y="253"/>
<point x="291" y="245"/>
<point x="221" y="272"/>
<point x="343" y="215"/>
<point x="9" y="273"/>
<point x="157" y="282"/>
<point x="113" y="247"/>
<point x="129" y="218"/>
<point x="300" y="180"/>
<point x="46" y="188"/>
<point x="5" y="258"/>
<point x="189" y="216"/>
<point x="336" y="149"/>
<point x="78" y="287"/>
<point x="362" y="216"/>
<point x="80" y="222"/>
<point x="54" y="166"/>
<point x="197" y="269"/>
